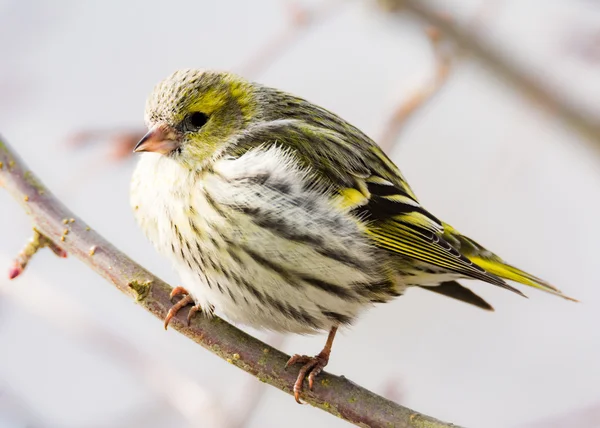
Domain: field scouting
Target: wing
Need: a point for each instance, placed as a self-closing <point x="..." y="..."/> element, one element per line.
<point x="350" y="165"/>
<point x="398" y="223"/>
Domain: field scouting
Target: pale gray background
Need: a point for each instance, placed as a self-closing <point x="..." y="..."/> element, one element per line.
<point x="76" y="353"/>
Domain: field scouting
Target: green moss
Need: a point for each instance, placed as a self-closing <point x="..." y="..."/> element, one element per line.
<point x="262" y="361"/>
<point x="419" y="421"/>
<point x="141" y="288"/>
<point x="325" y="382"/>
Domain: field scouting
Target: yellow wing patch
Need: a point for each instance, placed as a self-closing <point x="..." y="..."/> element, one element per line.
<point x="350" y="198"/>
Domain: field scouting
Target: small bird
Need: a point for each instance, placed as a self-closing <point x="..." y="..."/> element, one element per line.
<point x="283" y="216"/>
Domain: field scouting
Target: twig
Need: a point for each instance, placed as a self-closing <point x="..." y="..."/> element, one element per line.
<point x="336" y="395"/>
<point x="300" y="19"/>
<point x="523" y="81"/>
<point x="445" y="57"/>
<point x="407" y="108"/>
<point x="122" y="140"/>
<point x="36" y="242"/>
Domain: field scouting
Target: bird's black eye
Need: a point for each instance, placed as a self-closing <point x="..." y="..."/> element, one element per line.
<point x="196" y="120"/>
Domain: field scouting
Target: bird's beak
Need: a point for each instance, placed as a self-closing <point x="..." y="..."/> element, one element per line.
<point x="159" y="139"/>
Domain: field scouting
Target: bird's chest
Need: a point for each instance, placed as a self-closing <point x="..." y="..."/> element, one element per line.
<point x="168" y="210"/>
<point x="157" y="195"/>
<point x="175" y="213"/>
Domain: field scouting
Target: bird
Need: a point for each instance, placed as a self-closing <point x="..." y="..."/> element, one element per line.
<point x="281" y="215"/>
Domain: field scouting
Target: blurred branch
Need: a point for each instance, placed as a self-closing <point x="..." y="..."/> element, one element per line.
<point x="585" y="417"/>
<point x="122" y="141"/>
<point x="16" y="410"/>
<point x="445" y="56"/>
<point x="336" y="395"/>
<point x="523" y="81"/>
<point x="406" y="109"/>
<point x="584" y="44"/>
<point x="300" y="20"/>
<point x="173" y="386"/>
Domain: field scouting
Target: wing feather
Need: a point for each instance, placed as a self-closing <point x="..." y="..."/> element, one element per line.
<point x="362" y="179"/>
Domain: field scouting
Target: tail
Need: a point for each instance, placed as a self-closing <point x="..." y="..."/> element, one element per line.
<point x="495" y="265"/>
<point x="456" y="291"/>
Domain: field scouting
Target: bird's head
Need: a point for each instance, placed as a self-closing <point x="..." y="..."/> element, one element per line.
<point x="192" y="114"/>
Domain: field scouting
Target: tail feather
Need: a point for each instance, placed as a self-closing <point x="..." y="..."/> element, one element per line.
<point x="494" y="264"/>
<point x="456" y="291"/>
<point x="503" y="270"/>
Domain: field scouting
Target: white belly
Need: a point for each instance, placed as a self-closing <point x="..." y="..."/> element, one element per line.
<point x="281" y="261"/>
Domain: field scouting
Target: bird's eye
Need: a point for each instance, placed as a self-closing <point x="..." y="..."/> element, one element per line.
<point x="196" y="120"/>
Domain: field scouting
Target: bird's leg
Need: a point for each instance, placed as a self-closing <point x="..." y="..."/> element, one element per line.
<point x="187" y="299"/>
<point x="312" y="365"/>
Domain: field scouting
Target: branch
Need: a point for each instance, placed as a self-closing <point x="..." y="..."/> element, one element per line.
<point x="420" y="97"/>
<point x="174" y="387"/>
<point x="336" y="395"/>
<point x="300" y="20"/>
<point x="524" y="82"/>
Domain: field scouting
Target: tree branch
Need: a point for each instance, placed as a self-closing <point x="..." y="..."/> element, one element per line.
<point x="421" y="96"/>
<point x="526" y="83"/>
<point x="336" y="395"/>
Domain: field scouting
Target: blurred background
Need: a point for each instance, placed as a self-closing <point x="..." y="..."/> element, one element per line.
<point x="494" y="118"/>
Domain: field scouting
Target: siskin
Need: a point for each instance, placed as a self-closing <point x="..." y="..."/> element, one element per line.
<point x="283" y="216"/>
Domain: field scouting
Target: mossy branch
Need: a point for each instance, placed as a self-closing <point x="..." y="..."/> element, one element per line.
<point x="58" y="228"/>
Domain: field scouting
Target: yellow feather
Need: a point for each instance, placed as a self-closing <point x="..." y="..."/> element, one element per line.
<point x="350" y="198"/>
<point x="506" y="271"/>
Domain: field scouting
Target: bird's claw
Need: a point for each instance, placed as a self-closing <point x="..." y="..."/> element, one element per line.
<point x="191" y="313"/>
<point x="186" y="300"/>
<point x="312" y="366"/>
<point x="177" y="291"/>
<point x="176" y="307"/>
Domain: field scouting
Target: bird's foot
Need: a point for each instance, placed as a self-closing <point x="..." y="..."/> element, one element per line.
<point x="177" y="291"/>
<point x="312" y="366"/>
<point x="186" y="300"/>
